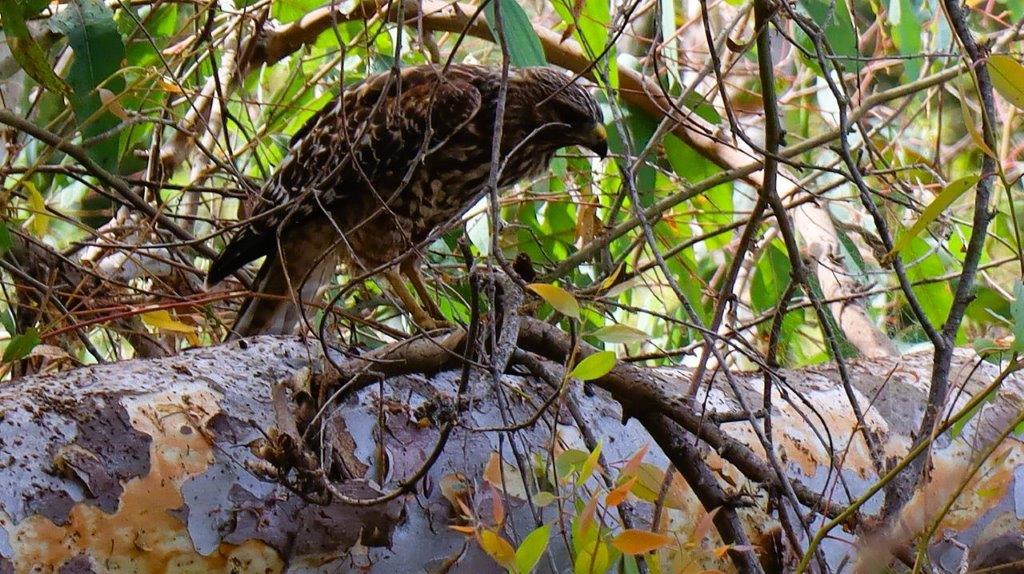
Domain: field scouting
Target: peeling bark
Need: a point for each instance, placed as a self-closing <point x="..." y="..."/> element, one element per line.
<point x="140" y="465"/>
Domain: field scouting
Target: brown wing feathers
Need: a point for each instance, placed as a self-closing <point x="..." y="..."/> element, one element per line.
<point x="354" y="145"/>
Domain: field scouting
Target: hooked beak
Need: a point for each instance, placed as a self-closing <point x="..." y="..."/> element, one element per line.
<point x="597" y="141"/>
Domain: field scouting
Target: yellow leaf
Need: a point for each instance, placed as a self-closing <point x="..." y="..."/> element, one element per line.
<point x="592" y="559"/>
<point x="1007" y="78"/>
<point x="610" y="281"/>
<point x="559" y="298"/>
<point x="931" y="212"/>
<point x="504" y="477"/>
<point x="39" y="221"/>
<point x="640" y="541"/>
<point x="972" y="129"/>
<point x="170" y="87"/>
<point x="620" y="334"/>
<point x="110" y="101"/>
<point x="648" y="486"/>
<point x="497" y="548"/>
<point x="620" y="492"/>
<point x="161" y="320"/>
<point x="590" y="464"/>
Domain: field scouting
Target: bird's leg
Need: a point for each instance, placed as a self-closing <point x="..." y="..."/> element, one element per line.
<point x="419" y="316"/>
<point x="410" y="267"/>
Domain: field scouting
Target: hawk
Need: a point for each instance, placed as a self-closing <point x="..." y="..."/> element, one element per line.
<point x="382" y="168"/>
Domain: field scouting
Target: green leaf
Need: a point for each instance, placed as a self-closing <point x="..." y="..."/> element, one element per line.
<point x="559" y="298"/>
<point x="21" y="345"/>
<point x="590" y="21"/>
<point x="595" y="366"/>
<point x="838" y="27"/>
<point x="620" y="334"/>
<point x="99" y="51"/>
<point x="592" y="559"/>
<point x="771" y="276"/>
<point x="543" y="498"/>
<point x="5" y="238"/>
<point x="7" y="320"/>
<point x="906" y="34"/>
<point x="524" y="47"/>
<point x="1007" y="78"/>
<point x="290" y="10"/>
<point x="529" y="552"/>
<point x="949" y="194"/>
<point x="24" y="48"/>
<point x="569" y="461"/>
<point x="590" y="464"/>
<point x="923" y="264"/>
<point x="32" y="7"/>
<point x="846" y="348"/>
<point x="686" y="162"/>
<point x="1017" y="315"/>
<point x="960" y="423"/>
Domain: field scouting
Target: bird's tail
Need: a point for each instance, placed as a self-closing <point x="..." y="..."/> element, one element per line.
<point x="284" y="289"/>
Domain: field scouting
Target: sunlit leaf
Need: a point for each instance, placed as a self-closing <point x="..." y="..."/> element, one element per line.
<point x="570" y="460"/>
<point x="289" y="10"/>
<point x="161" y="320"/>
<point x="620" y="334"/>
<point x="497" y="548"/>
<point x="504" y="477"/>
<point x="936" y="297"/>
<point x="543" y="498"/>
<point x="1007" y="78"/>
<point x="532" y="548"/>
<point x="524" y="47"/>
<point x="648" y="486"/>
<point x="931" y="212"/>
<point x="618" y="494"/>
<point x="592" y="559"/>
<point x="589" y="21"/>
<point x="590" y="464"/>
<point x="594" y="366"/>
<point x="21" y="345"/>
<point x="39" y="221"/>
<point x="640" y="541"/>
<point x="559" y="298"/>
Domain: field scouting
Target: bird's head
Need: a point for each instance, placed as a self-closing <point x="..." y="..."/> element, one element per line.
<point x="563" y="111"/>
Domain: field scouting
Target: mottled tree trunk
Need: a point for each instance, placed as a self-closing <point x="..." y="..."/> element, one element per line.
<point x="170" y="463"/>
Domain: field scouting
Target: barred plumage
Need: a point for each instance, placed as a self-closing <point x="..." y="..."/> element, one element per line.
<point x="382" y="167"/>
